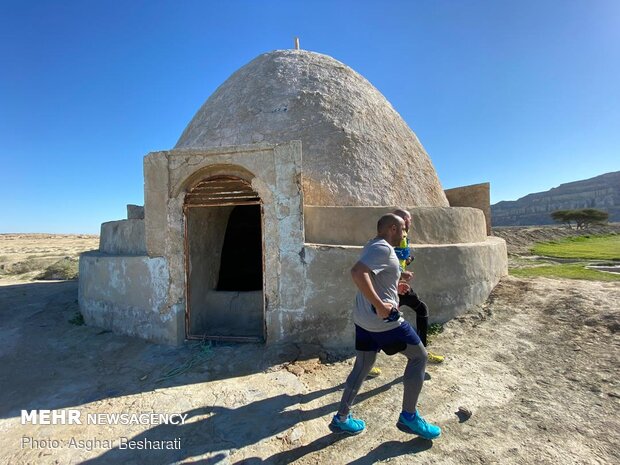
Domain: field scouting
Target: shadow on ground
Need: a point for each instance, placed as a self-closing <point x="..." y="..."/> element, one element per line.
<point x="226" y="429"/>
<point x="385" y="452"/>
<point x="50" y="363"/>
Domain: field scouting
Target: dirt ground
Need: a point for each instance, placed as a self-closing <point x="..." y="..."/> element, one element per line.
<point x="537" y="365"/>
<point x="25" y="256"/>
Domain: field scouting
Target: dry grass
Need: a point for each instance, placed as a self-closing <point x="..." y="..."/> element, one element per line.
<point x="25" y="257"/>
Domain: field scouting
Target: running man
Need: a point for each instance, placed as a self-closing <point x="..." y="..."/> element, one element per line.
<point x="380" y="326"/>
<point x="406" y="295"/>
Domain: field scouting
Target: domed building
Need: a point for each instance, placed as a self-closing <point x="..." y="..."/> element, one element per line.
<point x="252" y="222"/>
<point x="357" y="150"/>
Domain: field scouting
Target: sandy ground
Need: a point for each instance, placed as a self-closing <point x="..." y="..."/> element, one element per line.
<point x="537" y="365"/>
<point x="32" y="253"/>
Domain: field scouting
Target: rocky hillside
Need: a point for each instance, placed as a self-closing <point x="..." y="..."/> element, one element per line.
<point x="601" y="192"/>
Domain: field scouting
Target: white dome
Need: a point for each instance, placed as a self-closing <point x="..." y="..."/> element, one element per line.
<point x="356" y="149"/>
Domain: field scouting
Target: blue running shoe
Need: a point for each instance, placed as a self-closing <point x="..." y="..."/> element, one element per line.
<point x="349" y="426"/>
<point x="418" y="425"/>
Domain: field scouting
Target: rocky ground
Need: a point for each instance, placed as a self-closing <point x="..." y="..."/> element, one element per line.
<point x="537" y="365"/>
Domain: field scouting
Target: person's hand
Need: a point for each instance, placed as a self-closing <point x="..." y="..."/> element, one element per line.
<point x="403" y="287"/>
<point x="406" y="275"/>
<point x="384" y="310"/>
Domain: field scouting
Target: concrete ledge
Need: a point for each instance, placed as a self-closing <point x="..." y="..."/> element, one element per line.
<point x="450" y="278"/>
<point x="134" y="299"/>
<point x="453" y="278"/>
<point x="124" y="237"/>
<point x="135" y="212"/>
<point x="476" y="196"/>
<point x="156" y="186"/>
<point x="429" y="225"/>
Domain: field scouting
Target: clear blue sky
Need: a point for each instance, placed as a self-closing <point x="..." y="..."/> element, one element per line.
<point x="523" y="94"/>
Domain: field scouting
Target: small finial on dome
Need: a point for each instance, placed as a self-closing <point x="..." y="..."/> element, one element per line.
<point x="296" y="43"/>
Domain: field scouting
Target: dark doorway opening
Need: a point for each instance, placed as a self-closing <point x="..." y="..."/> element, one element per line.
<point x="241" y="266"/>
<point x="224" y="261"/>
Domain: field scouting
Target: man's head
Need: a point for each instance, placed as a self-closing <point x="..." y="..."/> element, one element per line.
<point x="390" y="227"/>
<point x="405" y="215"/>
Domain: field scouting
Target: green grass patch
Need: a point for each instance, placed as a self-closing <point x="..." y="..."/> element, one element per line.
<point x="586" y="247"/>
<point x="434" y="329"/>
<point x="566" y="270"/>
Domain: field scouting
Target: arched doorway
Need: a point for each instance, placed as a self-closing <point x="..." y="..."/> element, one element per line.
<point x="224" y="260"/>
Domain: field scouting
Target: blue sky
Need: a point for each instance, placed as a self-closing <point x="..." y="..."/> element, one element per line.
<point x="523" y="94"/>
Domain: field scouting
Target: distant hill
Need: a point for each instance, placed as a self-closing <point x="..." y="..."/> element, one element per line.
<point x="601" y="192"/>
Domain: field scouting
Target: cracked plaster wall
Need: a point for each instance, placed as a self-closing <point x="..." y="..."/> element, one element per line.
<point x="274" y="172"/>
<point x="128" y="295"/>
<point x="450" y="278"/>
<point x="429" y="225"/>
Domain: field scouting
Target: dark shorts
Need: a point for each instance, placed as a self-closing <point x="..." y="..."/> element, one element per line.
<point x="390" y="342"/>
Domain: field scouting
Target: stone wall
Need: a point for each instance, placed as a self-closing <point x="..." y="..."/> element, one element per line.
<point x="429" y="225"/>
<point x="129" y="295"/>
<point x="274" y="172"/>
<point x="476" y="196"/>
<point x="450" y="279"/>
<point x="123" y="237"/>
<point x="307" y="291"/>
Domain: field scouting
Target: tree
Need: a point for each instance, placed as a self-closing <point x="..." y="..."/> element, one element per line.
<point x="589" y="216"/>
<point x="562" y="216"/>
<point x="582" y="218"/>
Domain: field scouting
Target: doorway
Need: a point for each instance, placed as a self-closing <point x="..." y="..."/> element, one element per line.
<point x="224" y="261"/>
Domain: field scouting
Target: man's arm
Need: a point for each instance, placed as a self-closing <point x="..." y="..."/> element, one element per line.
<point x="361" y="277"/>
<point x="403" y="282"/>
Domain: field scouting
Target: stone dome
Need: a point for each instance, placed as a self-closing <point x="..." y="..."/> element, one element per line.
<point x="356" y="149"/>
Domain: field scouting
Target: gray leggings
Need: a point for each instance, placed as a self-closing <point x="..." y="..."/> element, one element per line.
<point x="412" y="379"/>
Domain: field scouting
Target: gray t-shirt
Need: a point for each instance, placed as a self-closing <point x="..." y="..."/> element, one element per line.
<point x="379" y="256"/>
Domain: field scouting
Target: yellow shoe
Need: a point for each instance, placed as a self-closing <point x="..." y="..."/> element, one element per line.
<point x="434" y="358"/>
<point x="374" y="372"/>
